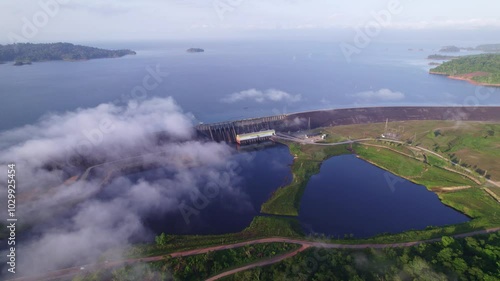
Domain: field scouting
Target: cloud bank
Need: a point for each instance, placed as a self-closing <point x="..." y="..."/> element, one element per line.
<point x="68" y="222"/>
<point x="271" y="95"/>
<point x="381" y="95"/>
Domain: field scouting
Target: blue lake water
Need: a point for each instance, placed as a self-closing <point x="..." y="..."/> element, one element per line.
<point x="348" y="196"/>
<point x="351" y="196"/>
<point x="316" y="70"/>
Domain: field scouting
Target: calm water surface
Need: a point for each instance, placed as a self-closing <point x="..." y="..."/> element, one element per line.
<point x="351" y="196"/>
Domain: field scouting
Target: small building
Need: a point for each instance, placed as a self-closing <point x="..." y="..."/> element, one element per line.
<point x="316" y="136"/>
<point x="255" y="137"/>
<point x="391" y="136"/>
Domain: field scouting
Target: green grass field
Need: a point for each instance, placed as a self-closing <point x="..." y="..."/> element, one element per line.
<point x="411" y="169"/>
<point x="475" y="145"/>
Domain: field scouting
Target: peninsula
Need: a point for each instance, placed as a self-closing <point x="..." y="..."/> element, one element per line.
<point x="25" y="53"/>
<point x="477" y="69"/>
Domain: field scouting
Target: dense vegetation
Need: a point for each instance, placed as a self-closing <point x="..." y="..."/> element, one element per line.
<point x="197" y="267"/>
<point x="26" y="52"/>
<point x="450" y="259"/>
<point x="489" y="64"/>
<point x="202" y="266"/>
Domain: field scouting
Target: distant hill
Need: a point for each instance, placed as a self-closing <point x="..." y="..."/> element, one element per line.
<point x="489" y="48"/>
<point x="479" y="69"/>
<point x="450" y="49"/>
<point x="24" y="53"/>
<point x="441" y="57"/>
<point x="195" y="50"/>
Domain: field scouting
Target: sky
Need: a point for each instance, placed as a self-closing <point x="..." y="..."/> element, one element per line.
<point x="94" y="20"/>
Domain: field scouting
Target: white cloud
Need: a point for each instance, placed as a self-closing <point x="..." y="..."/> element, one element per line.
<point x="74" y="222"/>
<point x="271" y="95"/>
<point x="382" y="94"/>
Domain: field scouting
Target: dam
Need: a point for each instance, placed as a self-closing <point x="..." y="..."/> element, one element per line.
<point x="228" y="131"/>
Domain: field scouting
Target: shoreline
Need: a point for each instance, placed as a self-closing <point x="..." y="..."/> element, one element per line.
<point x="460" y="78"/>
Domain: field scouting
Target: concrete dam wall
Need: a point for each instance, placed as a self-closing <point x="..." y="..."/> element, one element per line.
<point x="227" y="131"/>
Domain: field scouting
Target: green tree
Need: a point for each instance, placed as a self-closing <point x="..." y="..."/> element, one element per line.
<point x="162" y="239"/>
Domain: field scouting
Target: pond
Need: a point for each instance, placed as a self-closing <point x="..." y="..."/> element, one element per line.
<point x="351" y="196"/>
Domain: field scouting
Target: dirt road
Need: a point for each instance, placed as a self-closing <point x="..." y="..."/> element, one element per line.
<point x="72" y="271"/>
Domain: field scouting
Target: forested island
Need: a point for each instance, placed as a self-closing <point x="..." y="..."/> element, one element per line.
<point x="25" y="53"/>
<point x="487" y="48"/>
<point x="478" y="69"/>
<point x="450" y="49"/>
<point x="441" y="57"/>
<point x="195" y="50"/>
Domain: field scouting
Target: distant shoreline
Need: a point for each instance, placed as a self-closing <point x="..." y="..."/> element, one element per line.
<point x="28" y="53"/>
<point x="462" y="78"/>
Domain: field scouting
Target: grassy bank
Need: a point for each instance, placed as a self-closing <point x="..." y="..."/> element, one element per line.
<point x="427" y="174"/>
<point x="260" y="227"/>
<point x="308" y="159"/>
<point x="474" y="145"/>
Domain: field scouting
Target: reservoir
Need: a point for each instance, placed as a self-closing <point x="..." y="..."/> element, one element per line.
<point x="258" y="172"/>
<point x="351" y="196"/>
<point x="348" y="196"/>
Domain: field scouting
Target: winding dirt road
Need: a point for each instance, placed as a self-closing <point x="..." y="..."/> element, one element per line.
<point x="72" y="271"/>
